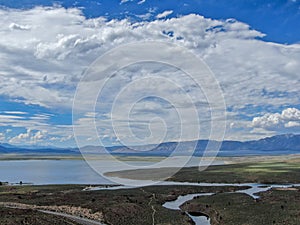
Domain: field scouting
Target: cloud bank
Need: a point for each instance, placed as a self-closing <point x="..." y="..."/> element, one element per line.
<point x="45" y="50"/>
<point x="288" y="118"/>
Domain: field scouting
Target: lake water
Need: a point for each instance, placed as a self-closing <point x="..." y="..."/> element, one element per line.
<point x="49" y="172"/>
<point x="61" y="171"/>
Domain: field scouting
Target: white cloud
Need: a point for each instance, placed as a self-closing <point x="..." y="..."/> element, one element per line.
<point x="62" y="43"/>
<point x="63" y="139"/>
<point x="164" y="14"/>
<point x="22" y="137"/>
<point x="2" y="136"/>
<point x="28" y="122"/>
<point x="291" y="114"/>
<point x="38" y="136"/>
<point x="141" y="2"/>
<point x="14" y="26"/>
<point x="125" y="1"/>
<point x="29" y="137"/>
<point x="39" y="129"/>
<point x="15" y="112"/>
<point x="50" y="48"/>
<point x="145" y="16"/>
<point x="292" y="124"/>
<point x="288" y="118"/>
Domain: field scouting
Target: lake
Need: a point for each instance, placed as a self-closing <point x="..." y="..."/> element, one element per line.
<point x="61" y="171"/>
<point x="49" y="172"/>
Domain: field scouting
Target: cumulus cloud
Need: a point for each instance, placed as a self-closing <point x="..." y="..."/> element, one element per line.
<point x="22" y="137"/>
<point x="29" y="137"/>
<point x="38" y="136"/>
<point x="288" y="118"/>
<point x="43" y="59"/>
<point x="62" y="43"/>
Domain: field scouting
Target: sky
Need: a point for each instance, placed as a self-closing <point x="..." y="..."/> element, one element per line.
<point x="251" y="47"/>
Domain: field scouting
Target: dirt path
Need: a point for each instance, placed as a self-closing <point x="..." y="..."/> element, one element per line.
<point x="78" y="219"/>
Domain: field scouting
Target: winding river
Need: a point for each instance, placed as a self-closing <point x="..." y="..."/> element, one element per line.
<point x="175" y="205"/>
<point x="252" y="191"/>
<point x="204" y="220"/>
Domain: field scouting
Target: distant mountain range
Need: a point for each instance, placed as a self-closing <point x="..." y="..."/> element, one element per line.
<point x="276" y="145"/>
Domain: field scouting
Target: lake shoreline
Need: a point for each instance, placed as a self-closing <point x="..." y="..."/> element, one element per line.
<point x="228" y="159"/>
<point x="47" y="170"/>
<point x="266" y="170"/>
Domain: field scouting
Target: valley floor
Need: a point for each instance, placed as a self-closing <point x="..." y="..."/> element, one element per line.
<point x="144" y="205"/>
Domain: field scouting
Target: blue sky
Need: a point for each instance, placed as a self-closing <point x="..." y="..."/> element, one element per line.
<point x="278" y="19"/>
<point x="251" y="46"/>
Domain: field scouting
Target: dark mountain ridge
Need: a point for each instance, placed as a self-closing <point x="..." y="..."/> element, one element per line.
<point x="275" y="145"/>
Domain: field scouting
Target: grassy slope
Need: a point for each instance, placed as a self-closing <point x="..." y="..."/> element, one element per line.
<point x="261" y="172"/>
